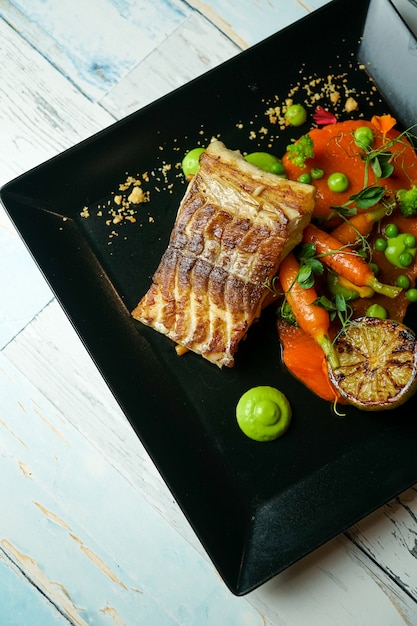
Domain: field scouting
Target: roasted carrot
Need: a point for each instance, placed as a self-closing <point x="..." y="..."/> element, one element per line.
<point x="360" y="224"/>
<point x="311" y="317"/>
<point x="345" y="261"/>
<point x="306" y="360"/>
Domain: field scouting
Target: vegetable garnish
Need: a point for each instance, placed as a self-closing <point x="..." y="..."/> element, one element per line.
<point x="378" y="364"/>
<point x="345" y="261"/>
<point x="338" y="182"/>
<point x="364" y="137"/>
<point x="357" y="260"/>
<point x="368" y="186"/>
<point x="310" y="316"/>
<point x="267" y="162"/>
<point x="376" y="166"/>
<point x="190" y="162"/>
<point x="401" y="248"/>
<point x="300" y="150"/>
<point x="383" y="123"/>
<point x="296" y="115"/>
<point x="407" y="201"/>
<point x="366" y="204"/>
<point x="322" y="117"/>
<point x="351" y="230"/>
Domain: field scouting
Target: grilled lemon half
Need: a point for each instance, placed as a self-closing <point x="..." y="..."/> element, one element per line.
<point x="378" y="364"/>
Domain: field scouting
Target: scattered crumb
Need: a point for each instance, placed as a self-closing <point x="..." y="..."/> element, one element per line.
<point x="136" y="196"/>
<point x="332" y="91"/>
<point x="124" y="204"/>
<point x="351" y="105"/>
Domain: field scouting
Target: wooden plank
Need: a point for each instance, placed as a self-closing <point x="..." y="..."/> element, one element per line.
<point x="390" y="537"/>
<point x="95" y="43"/>
<point x="195" y="47"/>
<point x="21" y="603"/>
<point x="73" y="525"/>
<point x="41" y="113"/>
<point x="260" y="19"/>
<point x="337" y="585"/>
<point x="70" y="379"/>
<point x="24" y="291"/>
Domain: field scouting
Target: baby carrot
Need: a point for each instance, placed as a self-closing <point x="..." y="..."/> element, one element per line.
<point x="345" y="261"/>
<point x="360" y="224"/>
<point x="312" y="318"/>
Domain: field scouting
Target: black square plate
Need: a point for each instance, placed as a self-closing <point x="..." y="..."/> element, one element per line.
<point x="257" y="508"/>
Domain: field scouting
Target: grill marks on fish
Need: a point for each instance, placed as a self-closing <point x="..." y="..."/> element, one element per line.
<point x="233" y="227"/>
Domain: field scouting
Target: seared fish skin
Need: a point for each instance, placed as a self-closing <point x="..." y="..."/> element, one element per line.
<point x="234" y="226"/>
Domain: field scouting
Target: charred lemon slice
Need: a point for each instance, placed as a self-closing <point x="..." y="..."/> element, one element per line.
<point x="378" y="364"/>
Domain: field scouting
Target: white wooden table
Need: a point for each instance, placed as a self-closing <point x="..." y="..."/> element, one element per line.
<point x="89" y="533"/>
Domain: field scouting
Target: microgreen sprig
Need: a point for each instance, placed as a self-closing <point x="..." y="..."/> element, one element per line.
<point x="339" y="308"/>
<point x="380" y="160"/>
<point x="310" y="265"/>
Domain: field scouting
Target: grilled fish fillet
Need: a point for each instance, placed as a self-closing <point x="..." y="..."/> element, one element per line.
<point x="234" y="226"/>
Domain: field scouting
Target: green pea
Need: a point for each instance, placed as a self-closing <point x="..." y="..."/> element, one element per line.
<point x="278" y="168"/>
<point x="363" y="137"/>
<point x="316" y="173"/>
<point x="411" y="295"/>
<point x="338" y="182"/>
<point x="405" y="259"/>
<point x="190" y="162"/>
<point x="403" y="281"/>
<point x="295" y="115"/>
<point x="374" y="267"/>
<point x="380" y="244"/>
<point x="377" y="310"/>
<point x="265" y="161"/>
<point x="409" y="241"/>
<point x="391" y="230"/>
<point x="304" y="178"/>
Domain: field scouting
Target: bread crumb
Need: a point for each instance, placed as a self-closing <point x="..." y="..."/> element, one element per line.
<point x="351" y="105"/>
<point x="136" y="196"/>
<point x="130" y="180"/>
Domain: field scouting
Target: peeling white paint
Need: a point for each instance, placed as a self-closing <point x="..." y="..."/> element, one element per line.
<point x="51" y="590"/>
<point x="52" y="516"/>
<point x="26" y="471"/>
<point x="98" y="562"/>
<point x="113" y="614"/>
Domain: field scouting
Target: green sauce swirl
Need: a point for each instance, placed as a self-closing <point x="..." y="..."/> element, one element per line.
<point x="263" y="413"/>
